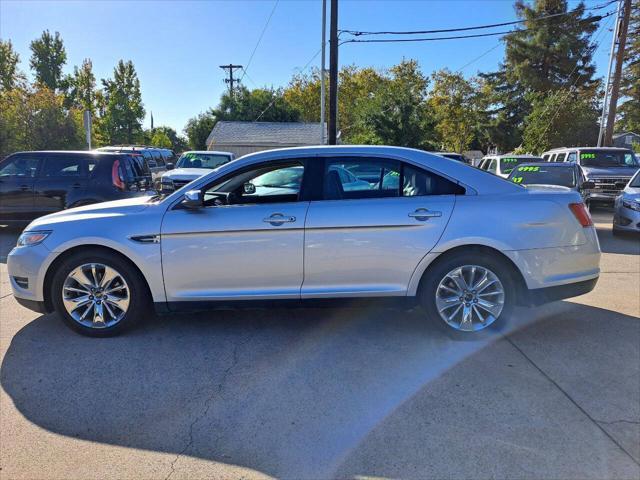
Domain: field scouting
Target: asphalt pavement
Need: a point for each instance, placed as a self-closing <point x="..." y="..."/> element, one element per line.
<point x="330" y="393"/>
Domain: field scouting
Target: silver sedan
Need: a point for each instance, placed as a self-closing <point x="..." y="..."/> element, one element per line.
<point x="283" y="225"/>
<point x="626" y="218"/>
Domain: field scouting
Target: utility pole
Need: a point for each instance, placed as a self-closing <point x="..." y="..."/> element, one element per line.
<point x="322" y="82"/>
<point x="615" y="88"/>
<point x="230" y="69"/>
<point x="333" y="74"/>
<point x="612" y="87"/>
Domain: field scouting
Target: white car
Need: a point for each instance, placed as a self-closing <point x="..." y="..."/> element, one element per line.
<point x="191" y="165"/>
<point x="503" y="165"/>
<point x="467" y="245"/>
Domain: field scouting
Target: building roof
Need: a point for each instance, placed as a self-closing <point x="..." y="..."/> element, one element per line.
<point x="265" y="133"/>
<point x="624" y="134"/>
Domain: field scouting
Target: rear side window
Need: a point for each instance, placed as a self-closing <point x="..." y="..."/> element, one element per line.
<point x="380" y="178"/>
<point x="561" y="157"/>
<point x="62" y="166"/>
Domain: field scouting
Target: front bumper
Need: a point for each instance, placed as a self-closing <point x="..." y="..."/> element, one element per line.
<point x="26" y="267"/>
<point x="625" y="219"/>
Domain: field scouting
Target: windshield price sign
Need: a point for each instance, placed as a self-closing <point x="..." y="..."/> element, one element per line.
<point x="584" y="156"/>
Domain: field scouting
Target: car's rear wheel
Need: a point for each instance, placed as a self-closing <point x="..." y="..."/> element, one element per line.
<point x="98" y="294"/>
<point x="469" y="292"/>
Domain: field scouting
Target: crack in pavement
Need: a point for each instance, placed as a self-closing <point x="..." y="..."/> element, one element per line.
<point x="632" y="422"/>
<point x="207" y="402"/>
<point x="566" y="394"/>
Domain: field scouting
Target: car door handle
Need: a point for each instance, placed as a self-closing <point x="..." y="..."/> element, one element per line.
<point x="76" y="185"/>
<point x="24" y="188"/>
<point x="423" y="214"/>
<point x="277" y="219"/>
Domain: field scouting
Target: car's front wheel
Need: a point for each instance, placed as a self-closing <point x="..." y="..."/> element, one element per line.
<point x="469" y="292"/>
<point x="98" y="294"/>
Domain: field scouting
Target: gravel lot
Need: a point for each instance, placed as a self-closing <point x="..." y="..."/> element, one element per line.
<point x="325" y="393"/>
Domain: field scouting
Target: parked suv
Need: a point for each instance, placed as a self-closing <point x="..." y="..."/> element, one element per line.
<point x="33" y="184"/>
<point x="609" y="168"/>
<point x="154" y="160"/>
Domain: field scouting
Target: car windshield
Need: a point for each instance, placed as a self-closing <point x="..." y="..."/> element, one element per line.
<point x="507" y="164"/>
<point x="545" y="175"/>
<point x="635" y="181"/>
<point x="608" y="158"/>
<point x="202" y="160"/>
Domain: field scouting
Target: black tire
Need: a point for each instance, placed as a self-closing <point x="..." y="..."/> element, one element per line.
<point x="616" y="233"/>
<point x="139" y="299"/>
<point x="437" y="272"/>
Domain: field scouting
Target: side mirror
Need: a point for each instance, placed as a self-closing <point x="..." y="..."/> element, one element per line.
<point x="170" y="166"/>
<point x="249" y="188"/>
<point x="588" y="185"/>
<point x="621" y="185"/>
<point x="193" y="199"/>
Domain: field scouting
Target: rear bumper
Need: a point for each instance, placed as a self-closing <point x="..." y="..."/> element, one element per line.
<point x="538" y="296"/>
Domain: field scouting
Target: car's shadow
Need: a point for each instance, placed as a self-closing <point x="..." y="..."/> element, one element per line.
<point x="290" y="393"/>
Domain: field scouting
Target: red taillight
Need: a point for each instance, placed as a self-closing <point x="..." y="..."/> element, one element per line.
<point x="115" y="175"/>
<point x="581" y="213"/>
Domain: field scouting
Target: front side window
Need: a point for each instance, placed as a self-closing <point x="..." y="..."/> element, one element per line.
<point x="266" y="184"/>
<point x="62" y="167"/>
<point x="560" y="157"/>
<point x="493" y="166"/>
<point x="20" y="166"/>
<point x="572" y="157"/>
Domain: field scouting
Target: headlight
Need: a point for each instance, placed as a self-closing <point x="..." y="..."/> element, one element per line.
<point x="631" y="205"/>
<point x="32" y="238"/>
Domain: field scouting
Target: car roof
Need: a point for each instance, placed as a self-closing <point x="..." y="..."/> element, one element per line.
<point x="210" y="152"/>
<point x="553" y="150"/>
<point x="72" y="152"/>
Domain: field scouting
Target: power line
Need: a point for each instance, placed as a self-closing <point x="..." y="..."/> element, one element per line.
<point x="478" y="57"/>
<point x="358" y="33"/>
<point x="457" y="37"/>
<point x="264" y="29"/>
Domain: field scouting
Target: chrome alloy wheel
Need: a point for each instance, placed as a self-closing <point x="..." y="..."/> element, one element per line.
<point x="470" y="298"/>
<point x="95" y="295"/>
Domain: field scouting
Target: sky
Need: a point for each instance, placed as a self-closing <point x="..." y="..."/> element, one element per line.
<point x="177" y="46"/>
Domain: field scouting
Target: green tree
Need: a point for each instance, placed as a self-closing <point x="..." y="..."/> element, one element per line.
<point x="177" y="143"/>
<point x="265" y="105"/>
<point x="160" y="139"/>
<point x="123" y="111"/>
<point x="629" y="111"/>
<point x="397" y="112"/>
<point x="550" y="54"/>
<point x="47" y="59"/>
<point x="81" y="87"/>
<point x="37" y="120"/>
<point x="566" y="117"/>
<point x="10" y="77"/>
<point x="198" y="129"/>
<point x="455" y="109"/>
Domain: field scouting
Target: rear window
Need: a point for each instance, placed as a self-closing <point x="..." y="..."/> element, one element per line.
<point x="507" y="164"/>
<point x="607" y="158"/>
<point x="545" y="175"/>
<point x="202" y="160"/>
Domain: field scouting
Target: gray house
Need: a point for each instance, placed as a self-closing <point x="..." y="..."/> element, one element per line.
<point x="242" y="138"/>
<point x="626" y="139"/>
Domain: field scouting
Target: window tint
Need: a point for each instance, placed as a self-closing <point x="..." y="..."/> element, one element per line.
<point x="60" y="166"/>
<point x="20" y="166"/>
<point x="361" y="178"/>
<point x="417" y="182"/>
<point x="560" y="157"/>
<point x="493" y="166"/>
<point x="545" y="158"/>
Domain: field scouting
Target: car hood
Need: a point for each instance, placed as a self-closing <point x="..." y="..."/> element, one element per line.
<point x="115" y="208"/>
<point x="186" y="173"/>
<point x="609" y="171"/>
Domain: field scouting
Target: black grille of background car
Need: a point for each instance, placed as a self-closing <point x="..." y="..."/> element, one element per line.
<point x="608" y="184"/>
